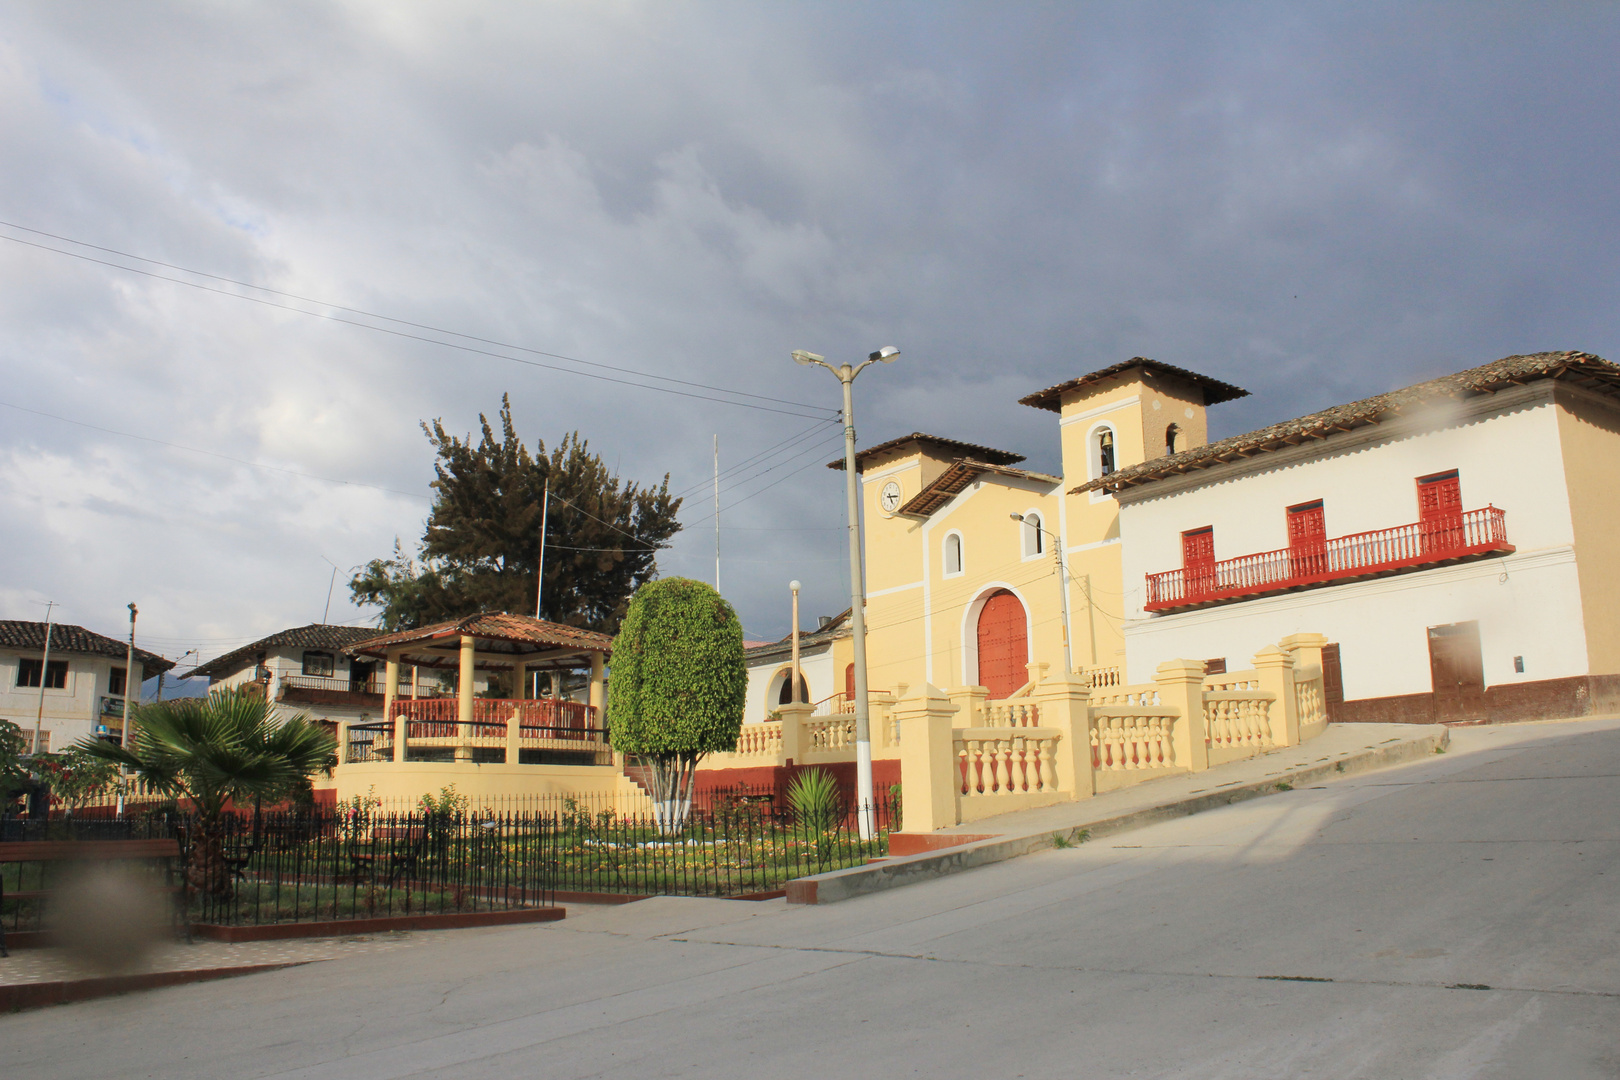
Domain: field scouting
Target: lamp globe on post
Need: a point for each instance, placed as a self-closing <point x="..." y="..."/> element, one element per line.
<point x="864" y="796"/>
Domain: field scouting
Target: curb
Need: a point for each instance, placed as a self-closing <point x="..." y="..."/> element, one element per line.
<point x="342" y="927"/>
<point x="836" y="885"/>
<point x="19" y="996"/>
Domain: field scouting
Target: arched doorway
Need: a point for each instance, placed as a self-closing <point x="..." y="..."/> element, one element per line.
<point x="1003" y="640"/>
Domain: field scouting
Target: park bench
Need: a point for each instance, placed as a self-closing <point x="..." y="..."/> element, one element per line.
<point x="57" y="852"/>
<point x="399" y="852"/>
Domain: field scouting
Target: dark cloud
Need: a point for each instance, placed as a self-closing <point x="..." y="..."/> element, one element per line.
<point x="1315" y="202"/>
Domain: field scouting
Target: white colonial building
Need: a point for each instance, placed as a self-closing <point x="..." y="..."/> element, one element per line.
<point x="1458" y="541"/>
<point x="82" y="683"/>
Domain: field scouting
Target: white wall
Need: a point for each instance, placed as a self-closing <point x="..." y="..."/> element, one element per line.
<point x="816" y="668"/>
<point x="1381" y="625"/>
<point x="71" y="713"/>
<point x="1510" y="459"/>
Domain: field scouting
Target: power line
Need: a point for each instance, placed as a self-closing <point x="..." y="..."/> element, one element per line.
<point x="433" y="329"/>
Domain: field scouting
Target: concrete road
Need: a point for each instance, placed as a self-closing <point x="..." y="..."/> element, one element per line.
<point x="1457" y="917"/>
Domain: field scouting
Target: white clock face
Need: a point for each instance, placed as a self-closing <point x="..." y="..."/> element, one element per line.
<point x="890" y="499"/>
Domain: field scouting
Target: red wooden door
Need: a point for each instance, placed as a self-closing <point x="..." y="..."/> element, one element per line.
<point x="1198" y="560"/>
<point x="1307" y="540"/>
<point x="1003" y="644"/>
<point x="849" y="685"/>
<point x="1440" y="511"/>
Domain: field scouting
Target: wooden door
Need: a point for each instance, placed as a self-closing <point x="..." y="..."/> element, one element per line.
<point x="1457" y="672"/>
<point x="1307" y="540"/>
<point x="1332" y="680"/>
<point x="1440" y="511"/>
<point x="1003" y="644"/>
<point x="1198" y="560"/>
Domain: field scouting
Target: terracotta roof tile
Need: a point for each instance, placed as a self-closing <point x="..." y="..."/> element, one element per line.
<point x="1215" y="391"/>
<point x="30" y="637"/>
<point x="1578" y="367"/>
<point x="961" y="473"/>
<point x="512" y="630"/>
<point x="313" y="636"/>
<point x="950" y="448"/>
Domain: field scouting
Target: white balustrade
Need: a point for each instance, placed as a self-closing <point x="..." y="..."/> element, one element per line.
<point x="999" y="761"/>
<point x="1238" y="719"/>
<point x="1125" y="739"/>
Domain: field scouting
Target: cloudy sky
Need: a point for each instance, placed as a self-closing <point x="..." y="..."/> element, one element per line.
<point x="1315" y="202"/>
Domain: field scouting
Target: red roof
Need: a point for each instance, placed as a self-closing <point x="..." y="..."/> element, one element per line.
<point x="497" y="633"/>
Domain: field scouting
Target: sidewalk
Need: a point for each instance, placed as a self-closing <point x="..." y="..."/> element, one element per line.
<point x="31" y="978"/>
<point x="1343" y="749"/>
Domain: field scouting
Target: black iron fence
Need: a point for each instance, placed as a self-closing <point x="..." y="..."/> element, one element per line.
<point x="360" y="862"/>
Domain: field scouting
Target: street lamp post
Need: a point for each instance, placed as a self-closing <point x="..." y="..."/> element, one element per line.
<point x="857" y="599"/>
<point x="1063" y="589"/>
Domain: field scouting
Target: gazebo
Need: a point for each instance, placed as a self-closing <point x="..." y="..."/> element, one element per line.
<point x="514" y="731"/>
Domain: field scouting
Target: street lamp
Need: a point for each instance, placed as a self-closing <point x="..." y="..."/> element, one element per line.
<point x="857" y="600"/>
<point x="1063" y="588"/>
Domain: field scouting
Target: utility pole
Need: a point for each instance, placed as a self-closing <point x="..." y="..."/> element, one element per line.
<point x="539" y="586"/>
<point x="44" y="675"/>
<point x="865" y="813"/>
<point x="717" y="513"/>
<point x="129" y="680"/>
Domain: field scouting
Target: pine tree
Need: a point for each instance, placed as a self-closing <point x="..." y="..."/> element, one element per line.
<point x="482" y="544"/>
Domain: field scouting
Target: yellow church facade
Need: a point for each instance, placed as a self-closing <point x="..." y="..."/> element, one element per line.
<point x="976" y="568"/>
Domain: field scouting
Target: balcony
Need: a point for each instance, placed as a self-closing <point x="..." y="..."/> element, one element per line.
<point x="326" y="690"/>
<point x="555" y="732"/>
<point x="1360" y="555"/>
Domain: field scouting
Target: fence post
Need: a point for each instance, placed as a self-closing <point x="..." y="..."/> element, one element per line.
<point x="1181" y="687"/>
<point x="514" y="735"/>
<point x="1276" y="670"/>
<point x="930" y="780"/>
<point x="970" y="700"/>
<point x="794" y="743"/>
<point x="1065" y="704"/>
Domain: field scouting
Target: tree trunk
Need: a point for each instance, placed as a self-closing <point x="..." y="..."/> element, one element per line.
<point x="207" y="873"/>
<point x="673" y="776"/>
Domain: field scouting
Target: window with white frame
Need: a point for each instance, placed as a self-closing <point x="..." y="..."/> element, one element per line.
<point x="953" y="554"/>
<point x="1034" y="537"/>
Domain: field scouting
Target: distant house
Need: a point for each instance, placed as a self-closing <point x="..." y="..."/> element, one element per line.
<point x="306" y="670"/>
<point x="84" y="681"/>
<point x="826" y="671"/>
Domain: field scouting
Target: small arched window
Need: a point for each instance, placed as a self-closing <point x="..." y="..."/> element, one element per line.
<point x="1105" y="451"/>
<point x="953" y="554"/>
<point x="784" y="696"/>
<point x="1034" y="537"/>
<point x="1172" y="440"/>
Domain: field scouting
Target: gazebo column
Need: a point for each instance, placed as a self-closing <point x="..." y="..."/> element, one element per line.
<point x="598" y="685"/>
<point x="390" y="692"/>
<point x="464" y="697"/>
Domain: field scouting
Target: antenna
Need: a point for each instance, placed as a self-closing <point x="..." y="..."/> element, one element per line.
<point x="717" y="513"/>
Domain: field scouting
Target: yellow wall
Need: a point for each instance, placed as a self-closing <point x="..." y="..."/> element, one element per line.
<point x="922" y="625"/>
<point x="1589" y="433"/>
<point x="407" y="781"/>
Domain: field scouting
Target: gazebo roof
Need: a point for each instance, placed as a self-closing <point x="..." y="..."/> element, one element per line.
<point x="501" y="640"/>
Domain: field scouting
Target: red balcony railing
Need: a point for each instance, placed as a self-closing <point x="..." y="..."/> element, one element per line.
<point x="538" y="718"/>
<point x="1423" y="543"/>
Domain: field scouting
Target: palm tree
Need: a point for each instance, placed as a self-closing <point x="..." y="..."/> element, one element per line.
<point x="229" y="746"/>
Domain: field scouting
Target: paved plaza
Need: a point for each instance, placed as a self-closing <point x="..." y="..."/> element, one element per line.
<point x="1453" y="917"/>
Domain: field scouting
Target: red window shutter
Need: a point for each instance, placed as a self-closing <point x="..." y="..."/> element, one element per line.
<point x="1198" y="560"/>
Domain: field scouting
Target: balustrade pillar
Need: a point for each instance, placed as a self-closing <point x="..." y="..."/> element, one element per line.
<point x="514" y="735"/>
<point x="795" y="741"/>
<point x="1065" y="703"/>
<point x="1181" y="689"/>
<point x="930" y="778"/>
<point x="969" y="700"/>
<point x="1276" y="670"/>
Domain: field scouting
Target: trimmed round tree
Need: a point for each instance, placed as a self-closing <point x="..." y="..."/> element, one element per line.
<point x="678" y="686"/>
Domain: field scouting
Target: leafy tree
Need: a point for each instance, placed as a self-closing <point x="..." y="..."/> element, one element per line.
<point x="231" y="746"/>
<point x="482" y="542"/>
<point x="678" y="687"/>
<point x="14" y="779"/>
<point x="75" y="777"/>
